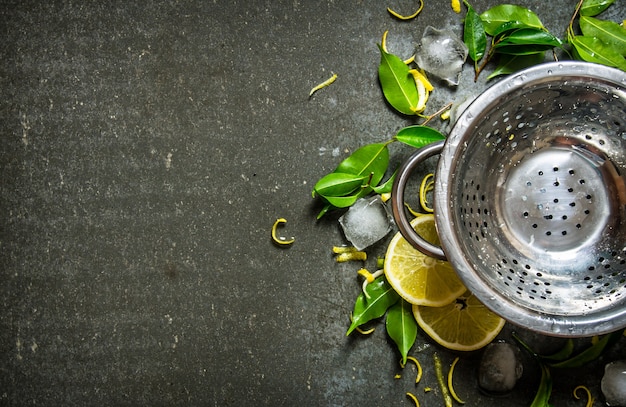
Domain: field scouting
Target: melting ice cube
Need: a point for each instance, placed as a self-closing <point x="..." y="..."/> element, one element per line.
<point x="442" y="54"/>
<point x="366" y="222"/>
<point x="614" y="383"/>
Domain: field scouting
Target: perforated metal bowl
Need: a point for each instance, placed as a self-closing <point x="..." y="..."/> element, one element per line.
<point x="530" y="198"/>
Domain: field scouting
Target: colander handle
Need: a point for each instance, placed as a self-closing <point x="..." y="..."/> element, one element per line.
<point x="397" y="201"/>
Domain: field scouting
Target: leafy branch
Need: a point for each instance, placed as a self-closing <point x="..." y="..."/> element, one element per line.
<point x="519" y="38"/>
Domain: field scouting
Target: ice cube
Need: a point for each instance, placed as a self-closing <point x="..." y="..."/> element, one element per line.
<point x="614" y="383"/>
<point x="500" y="368"/>
<point x="441" y="53"/>
<point x="366" y="222"/>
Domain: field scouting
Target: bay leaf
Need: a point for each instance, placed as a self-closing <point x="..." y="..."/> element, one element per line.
<point x="370" y="160"/>
<point x="594" y="7"/>
<point x="397" y="83"/>
<point x="474" y="35"/>
<point x="504" y="13"/>
<point x="382" y="296"/>
<point x="508" y="64"/>
<point x="591" y="49"/>
<point x="338" y="184"/>
<point x="402" y="327"/>
<point x="525" y="41"/>
<point x="609" y="32"/>
<point x="418" y="136"/>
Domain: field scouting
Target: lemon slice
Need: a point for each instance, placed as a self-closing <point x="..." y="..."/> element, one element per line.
<point x="464" y="325"/>
<point x="416" y="277"/>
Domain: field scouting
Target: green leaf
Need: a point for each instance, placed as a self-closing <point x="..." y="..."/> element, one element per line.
<point x="526" y="41"/>
<point x="387" y="186"/>
<point x="370" y="160"/>
<point x="609" y="32"/>
<point x="508" y="64"/>
<point x="542" y="397"/>
<point x="561" y="355"/>
<point x="338" y="184"/>
<point x="504" y="13"/>
<point x="382" y="296"/>
<point x="474" y="34"/>
<point x="339" y="202"/>
<point x="418" y="136"/>
<point x="402" y="327"/>
<point x="592" y="352"/>
<point x="397" y="83"/>
<point x="591" y="49"/>
<point x="594" y="7"/>
<point x="509" y="26"/>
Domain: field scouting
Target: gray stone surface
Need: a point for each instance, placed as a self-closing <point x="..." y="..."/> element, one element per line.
<point x="146" y="150"/>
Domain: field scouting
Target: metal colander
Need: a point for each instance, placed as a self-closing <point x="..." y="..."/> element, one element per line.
<point x="530" y="198"/>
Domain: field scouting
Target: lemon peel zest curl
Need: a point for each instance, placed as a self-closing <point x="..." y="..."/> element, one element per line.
<point x="418" y="377"/>
<point x="324" y="84"/>
<point x="590" y="398"/>
<point x="383" y="42"/>
<point x="412" y="397"/>
<point x="280" y="240"/>
<point x="351" y="256"/>
<point x="426" y="186"/>
<point x="412" y="16"/>
<point x="456" y="5"/>
<point x="344" y="249"/>
<point x="373" y="276"/>
<point x="450" y="387"/>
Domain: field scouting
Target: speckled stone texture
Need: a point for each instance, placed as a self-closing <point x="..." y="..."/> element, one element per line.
<point x="146" y="150"/>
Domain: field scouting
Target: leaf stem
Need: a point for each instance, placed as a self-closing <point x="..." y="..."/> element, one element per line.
<point x="437" y="113"/>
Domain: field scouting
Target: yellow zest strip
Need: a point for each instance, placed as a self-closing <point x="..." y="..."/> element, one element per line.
<point x="456" y="6"/>
<point x="344" y="249"/>
<point x="398" y="376"/>
<point x="420" y="76"/>
<point x="385" y="196"/>
<point x="367" y="280"/>
<point x="323" y="84"/>
<point x="383" y="42"/>
<point x="426" y="186"/>
<point x="419" y="368"/>
<point x="413" y="212"/>
<point x="401" y="17"/>
<point x="450" y="373"/>
<point x="410" y="60"/>
<point x="422" y="97"/>
<point x="590" y="398"/>
<point x="412" y="397"/>
<point x="361" y="331"/>
<point x="445" y="115"/>
<point x="351" y="256"/>
<point x="442" y="384"/>
<point x="422" y="92"/>
<point x="369" y="277"/>
<point x="427" y="389"/>
<point x="280" y="240"/>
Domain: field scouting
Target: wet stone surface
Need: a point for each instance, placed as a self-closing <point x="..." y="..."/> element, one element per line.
<point x="148" y="148"/>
